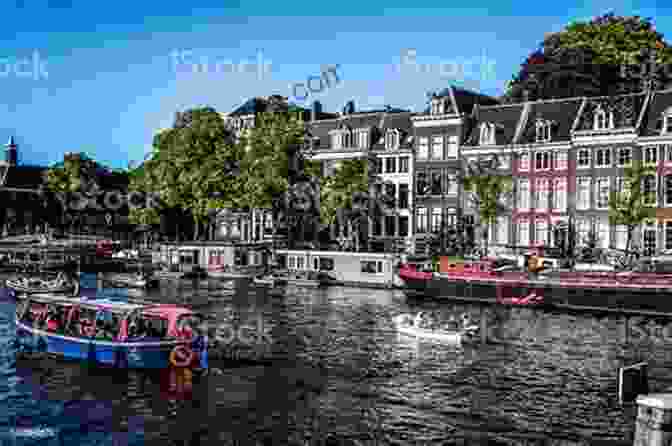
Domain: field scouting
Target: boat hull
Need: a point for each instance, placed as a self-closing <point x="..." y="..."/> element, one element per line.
<point x="131" y="355"/>
<point x="17" y="287"/>
<point x="607" y="295"/>
<point x="455" y="337"/>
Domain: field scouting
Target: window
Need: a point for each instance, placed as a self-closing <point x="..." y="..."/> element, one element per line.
<point x="541" y="194"/>
<point x="300" y="262"/>
<point x="561" y="160"/>
<point x="453" y="146"/>
<point x="437" y="147"/>
<point x="667" y="122"/>
<point x="624" y="156"/>
<point x="523" y="232"/>
<point x="502" y="230"/>
<point x="371" y="266"/>
<point x="403" y="226"/>
<point x="348" y="140"/>
<point x="582" y="231"/>
<point x="421" y="222"/>
<point x="524" y="161"/>
<point x="504" y="162"/>
<point x="602" y="193"/>
<point x="453" y="185"/>
<point x="583" y="158"/>
<point x="649" y="190"/>
<point x="541" y="232"/>
<point x="603" y="120"/>
<point x="423" y="148"/>
<point x="391" y="192"/>
<point x="336" y="141"/>
<point x="377" y="229"/>
<point x="668" y="190"/>
<point x="621" y="185"/>
<point x="326" y="264"/>
<point x="436" y="219"/>
<point x="403" y="196"/>
<point x="603" y="158"/>
<point x="421" y="183"/>
<point x="436" y="183"/>
<point x="391" y="140"/>
<point x="582" y="193"/>
<point x="390" y="225"/>
<point x="542" y="161"/>
<point x="650" y="155"/>
<point x="403" y="164"/>
<point x="438" y="106"/>
<point x="390" y="165"/>
<point x="621" y="236"/>
<point x="363" y="139"/>
<point x="560" y="194"/>
<point x="543" y="131"/>
<point x="668" y="235"/>
<point x="667" y="152"/>
<point x="524" y="194"/>
<point x="603" y="233"/>
<point x="487" y="134"/>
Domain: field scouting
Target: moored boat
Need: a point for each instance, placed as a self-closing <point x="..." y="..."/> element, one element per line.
<point x="35" y="285"/>
<point x="134" y="280"/>
<point x="108" y="332"/>
<point x="224" y="273"/>
<point x="409" y="325"/>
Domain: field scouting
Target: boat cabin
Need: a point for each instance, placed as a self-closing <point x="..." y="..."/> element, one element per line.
<point x="106" y="319"/>
<point x="212" y="256"/>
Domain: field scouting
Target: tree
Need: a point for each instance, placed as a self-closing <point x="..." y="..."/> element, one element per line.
<point x="601" y="57"/>
<point x="193" y="167"/>
<point x="631" y="206"/>
<point x="489" y="190"/>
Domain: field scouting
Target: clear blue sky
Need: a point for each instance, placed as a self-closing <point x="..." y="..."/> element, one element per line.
<point x="109" y="81"/>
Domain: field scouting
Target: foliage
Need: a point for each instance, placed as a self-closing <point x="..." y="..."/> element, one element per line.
<point x="599" y="57"/>
<point x="629" y="207"/>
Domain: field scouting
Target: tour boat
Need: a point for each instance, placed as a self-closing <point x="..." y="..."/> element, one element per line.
<point x="34" y="285"/>
<point x="485" y="279"/>
<point x="405" y="325"/>
<point x="87" y="333"/>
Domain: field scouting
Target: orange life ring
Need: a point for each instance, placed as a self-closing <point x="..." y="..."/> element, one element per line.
<point x="186" y="352"/>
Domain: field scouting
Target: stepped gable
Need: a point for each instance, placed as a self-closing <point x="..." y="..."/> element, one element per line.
<point x="506" y="119"/>
<point x="652" y="121"/>
<point x="560" y="112"/>
<point x="626" y="109"/>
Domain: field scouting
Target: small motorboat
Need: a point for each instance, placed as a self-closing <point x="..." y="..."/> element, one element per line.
<point x="134" y="281"/>
<point x="531" y="299"/>
<point x="407" y="324"/>
<point x="33" y="285"/>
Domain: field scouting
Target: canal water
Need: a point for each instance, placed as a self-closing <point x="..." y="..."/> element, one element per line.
<point x="330" y="369"/>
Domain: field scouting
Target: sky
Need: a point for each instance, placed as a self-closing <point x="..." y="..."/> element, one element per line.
<point x="103" y="77"/>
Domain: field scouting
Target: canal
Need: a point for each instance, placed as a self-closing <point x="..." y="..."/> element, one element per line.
<point x="330" y="369"/>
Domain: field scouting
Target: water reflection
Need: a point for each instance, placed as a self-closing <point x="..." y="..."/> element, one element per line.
<point x="338" y="366"/>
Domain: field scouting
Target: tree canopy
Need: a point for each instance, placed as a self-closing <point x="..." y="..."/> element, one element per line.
<point x="600" y="57"/>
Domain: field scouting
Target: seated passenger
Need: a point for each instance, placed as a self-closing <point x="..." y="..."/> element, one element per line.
<point x="53" y="322"/>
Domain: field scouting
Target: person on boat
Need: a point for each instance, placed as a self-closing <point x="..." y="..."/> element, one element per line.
<point x="53" y="324"/>
<point x="181" y="359"/>
<point x="200" y="346"/>
<point x="418" y="321"/>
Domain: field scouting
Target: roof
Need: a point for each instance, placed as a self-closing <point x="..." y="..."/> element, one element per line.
<point x="169" y="311"/>
<point x="660" y="102"/>
<point x="462" y="101"/>
<point x="506" y="119"/>
<point x="561" y="112"/>
<point x="23" y="176"/>
<point x="626" y="108"/>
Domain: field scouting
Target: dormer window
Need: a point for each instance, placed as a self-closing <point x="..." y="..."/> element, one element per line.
<point x="438" y="106"/>
<point x="348" y="140"/>
<point x="543" y="131"/>
<point x="363" y="139"/>
<point x="487" y="134"/>
<point x="603" y="120"/>
<point x="392" y="140"/>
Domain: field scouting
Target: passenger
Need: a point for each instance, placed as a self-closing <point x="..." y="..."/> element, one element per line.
<point x="52" y="322"/>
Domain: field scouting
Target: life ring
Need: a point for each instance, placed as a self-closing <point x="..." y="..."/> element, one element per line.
<point x="186" y="353"/>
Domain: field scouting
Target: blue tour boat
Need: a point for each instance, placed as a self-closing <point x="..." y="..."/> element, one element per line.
<point x="105" y="331"/>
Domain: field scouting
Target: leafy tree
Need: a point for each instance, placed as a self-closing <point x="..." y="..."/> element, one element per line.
<point x="489" y="190"/>
<point x="630" y="207"/>
<point x="600" y="57"/>
<point x="193" y="167"/>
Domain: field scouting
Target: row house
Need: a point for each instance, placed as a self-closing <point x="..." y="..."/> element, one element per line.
<point x="438" y="135"/>
<point x="385" y="136"/>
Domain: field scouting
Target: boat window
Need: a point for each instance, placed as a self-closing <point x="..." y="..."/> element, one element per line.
<point x="316" y="264"/>
<point x="156" y="327"/>
<point x="326" y="264"/>
<point x="189" y="323"/>
<point x="368" y="266"/>
<point x="482" y="267"/>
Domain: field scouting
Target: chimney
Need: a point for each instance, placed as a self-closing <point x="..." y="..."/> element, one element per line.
<point x="11" y="152"/>
<point x="316" y="111"/>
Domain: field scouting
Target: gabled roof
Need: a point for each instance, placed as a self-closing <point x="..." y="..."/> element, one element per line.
<point x="626" y="108"/>
<point x="506" y="119"/>
<point x="560" y="112"/>
<point x="378" y="120"/>
<point x="660" y="102"/>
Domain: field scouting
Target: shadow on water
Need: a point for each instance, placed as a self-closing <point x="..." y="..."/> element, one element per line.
<point x="335" y="369"/>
